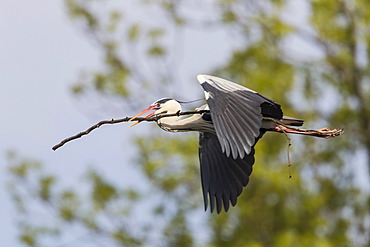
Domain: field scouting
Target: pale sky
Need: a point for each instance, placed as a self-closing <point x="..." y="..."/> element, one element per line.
<point x="41" y="53"/>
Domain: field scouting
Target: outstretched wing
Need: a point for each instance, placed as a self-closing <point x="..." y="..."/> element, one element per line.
<point x="236" y="113"/>
<point x="223" y="177"/>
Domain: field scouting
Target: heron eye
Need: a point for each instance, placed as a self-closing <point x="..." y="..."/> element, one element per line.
<point x="158" y="104"/>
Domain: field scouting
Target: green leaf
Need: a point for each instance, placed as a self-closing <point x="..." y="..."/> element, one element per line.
<point x="156" y="33"/>
<point x="45" y="187"/>
<point x="156" y="51"/>
<point x="133" y="32"/>
<point x="114" y="19"/>
<point x="229" y="16"/>
<point x="102" y="191"/>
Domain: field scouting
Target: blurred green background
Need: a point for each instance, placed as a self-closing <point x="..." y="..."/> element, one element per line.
<point x="312" y="57"/>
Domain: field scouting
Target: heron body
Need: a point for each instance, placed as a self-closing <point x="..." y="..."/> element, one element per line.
<point x="228" y="134"/>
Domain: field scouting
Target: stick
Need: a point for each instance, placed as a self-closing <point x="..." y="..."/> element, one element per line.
<point x="326" y="133"/>
<point x="288" y="150"/>
<point x="121" y="120"/>
<point x="323" y="133"/>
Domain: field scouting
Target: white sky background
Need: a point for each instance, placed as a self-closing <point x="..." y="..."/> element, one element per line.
<point x="41" y="53"/>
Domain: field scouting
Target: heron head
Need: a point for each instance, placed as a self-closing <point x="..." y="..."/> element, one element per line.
<point x="164" y="105"/>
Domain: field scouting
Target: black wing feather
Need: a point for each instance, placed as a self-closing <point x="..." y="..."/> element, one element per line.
<point x="237" y="114"/>
<point x="223" y="177"/>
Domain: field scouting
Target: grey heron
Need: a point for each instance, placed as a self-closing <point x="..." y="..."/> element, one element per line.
<point x="228" y="134"/>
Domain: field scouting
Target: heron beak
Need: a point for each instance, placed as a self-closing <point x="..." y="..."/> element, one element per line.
<point x="153" y="107"/>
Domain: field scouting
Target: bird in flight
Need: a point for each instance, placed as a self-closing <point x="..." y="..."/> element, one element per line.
<point x="237" y="118"/>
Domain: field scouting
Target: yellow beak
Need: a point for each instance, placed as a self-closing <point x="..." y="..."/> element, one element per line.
<point x="153" y="107"/>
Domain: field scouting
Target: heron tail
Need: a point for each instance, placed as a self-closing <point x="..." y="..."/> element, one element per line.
<point x="292" y="121"/>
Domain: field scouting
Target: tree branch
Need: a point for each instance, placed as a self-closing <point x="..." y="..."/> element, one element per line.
<point x="325" y="133"/>
<point x="121" y="120"/>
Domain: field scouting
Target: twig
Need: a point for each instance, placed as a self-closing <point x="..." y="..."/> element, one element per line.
<point x="323" y="133"/>
<point x="326" y="133"/>
<point x="288" y="150"/>
<point x="121" y="120"/>
<point x="281" y="127"/>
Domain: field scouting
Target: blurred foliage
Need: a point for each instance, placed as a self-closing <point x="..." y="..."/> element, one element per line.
<point x="105" y="211"/>
<point x="320" y="206"/>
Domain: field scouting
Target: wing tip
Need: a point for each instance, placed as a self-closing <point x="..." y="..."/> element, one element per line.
<point x="202" y="78"/>
<point x="222" y="205"/>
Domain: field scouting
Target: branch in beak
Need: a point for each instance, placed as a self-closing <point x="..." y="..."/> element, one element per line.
<point x="149" y="115"/>
<point x="153" y="107"/>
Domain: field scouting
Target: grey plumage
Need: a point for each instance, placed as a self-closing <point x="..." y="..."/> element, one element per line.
<point x="227" y="136"/>
<point x="236" y="114"/>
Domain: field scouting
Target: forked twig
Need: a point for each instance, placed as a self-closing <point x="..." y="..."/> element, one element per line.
<point x="288" y="149"/>
<point x="324" y="133"/>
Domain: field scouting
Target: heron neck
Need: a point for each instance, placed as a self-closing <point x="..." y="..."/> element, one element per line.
<point x="168" y="123"/>
<point x="193" y="123"/>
